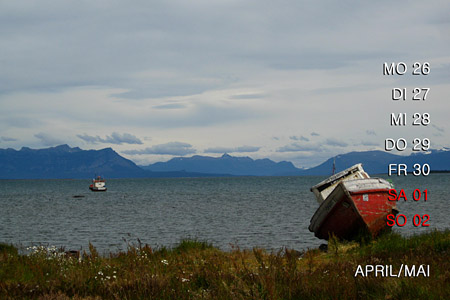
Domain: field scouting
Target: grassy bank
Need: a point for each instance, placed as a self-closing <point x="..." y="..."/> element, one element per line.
<point x="197" y="270"/>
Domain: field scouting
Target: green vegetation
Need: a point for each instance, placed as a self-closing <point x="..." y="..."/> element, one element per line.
<point x="197" y="270"/>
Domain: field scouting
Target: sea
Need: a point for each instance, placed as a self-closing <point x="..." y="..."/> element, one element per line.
<point x="272" y="213"/>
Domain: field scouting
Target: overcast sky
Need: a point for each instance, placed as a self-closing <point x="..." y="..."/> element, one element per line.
<point x="289" y="80"/>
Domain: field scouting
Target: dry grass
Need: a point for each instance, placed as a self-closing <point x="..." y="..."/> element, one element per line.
<point x="197" y="270"/>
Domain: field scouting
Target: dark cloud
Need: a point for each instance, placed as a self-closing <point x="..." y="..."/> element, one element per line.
<point x="114" y="138"/>
<point x="189" y="47"/>
<point x="314" y="134"/>
<point x="90" y="139"/>
<point x="232" y="149"/>
<point x="247" y="149"/>
<point x="299" y="138"/>
<point x="370" y="132"/>
<point x="7" y="139"/>
<point x="335" y="143"/>
<point x="438" y="128"/>
<point x="171" y="148"/>
<point x="297" y="147"/>
<point x="48" y="140"/>
<point x="124" y="43"/>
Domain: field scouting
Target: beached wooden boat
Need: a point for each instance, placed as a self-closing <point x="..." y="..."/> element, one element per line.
<point x="352" y="206"/>
<point x="98" y="184"/>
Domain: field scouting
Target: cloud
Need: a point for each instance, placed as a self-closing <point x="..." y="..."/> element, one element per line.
<point x="315" y="147"/>
<point x="297" y="147"/>
<point x="231" y="149"/>
<point x="203" y="114"/>
<point x="369" y="143"/>
<point x="170" y="106"/>
<point x="239" y="70"/>
<point x="148" y="88"/>
<point x="162" y="49"/>
<point x="438" y="128"/>
<point x="307" y="60"/>
<point x="335" y="143"/>
<point x="247" y="149"/>
<point x="90" y="139"/>
<point x="248" y="96"/>
<point x="19" y="121"/>
<point x="171" y="148"/>
<point x="7" y="139"/>
<point x="299" y="138"/>
<point x="48" y="140"/>
<point x="114" y="138"/>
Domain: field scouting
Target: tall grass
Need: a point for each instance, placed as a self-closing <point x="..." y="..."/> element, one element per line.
<point x="197" y="270"/>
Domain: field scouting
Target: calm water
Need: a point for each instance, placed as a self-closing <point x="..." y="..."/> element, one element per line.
<point x="267" y="212"/>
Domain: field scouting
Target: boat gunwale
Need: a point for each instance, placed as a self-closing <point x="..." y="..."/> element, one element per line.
<point x="341" y="194"/>
<point x="337" y="177"/>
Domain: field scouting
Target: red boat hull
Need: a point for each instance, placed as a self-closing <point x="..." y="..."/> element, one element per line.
<point x="354" y="207"/>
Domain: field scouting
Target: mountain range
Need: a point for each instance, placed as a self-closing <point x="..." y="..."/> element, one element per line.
<point x="226" y="164"/>
<point x="67" y="162"/>
<point x="376" y="162"/>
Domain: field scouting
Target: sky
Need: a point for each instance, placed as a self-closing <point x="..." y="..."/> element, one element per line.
<point x="300" y="81"/>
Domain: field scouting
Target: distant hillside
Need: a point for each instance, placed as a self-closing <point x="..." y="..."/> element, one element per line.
<point x="65" y="162"/>
<point x="376" y="162"/>
<point x="439" y="160"/>
<point x="226" y="164"/>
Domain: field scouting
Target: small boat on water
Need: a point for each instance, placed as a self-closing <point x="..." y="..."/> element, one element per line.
<point x="351" y="203"/>
<point x="98" y="184"/>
